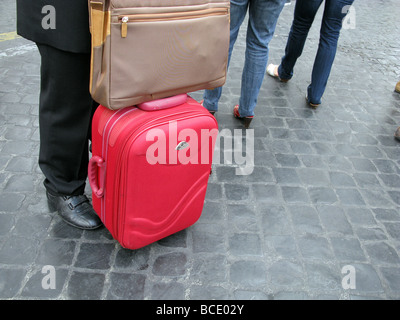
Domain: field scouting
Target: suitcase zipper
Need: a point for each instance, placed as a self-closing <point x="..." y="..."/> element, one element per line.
<point x="170" y="16"/>
<point x="105" y="143"/>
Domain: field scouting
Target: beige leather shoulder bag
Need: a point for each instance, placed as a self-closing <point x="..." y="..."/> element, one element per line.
<point x="144" y="50"/>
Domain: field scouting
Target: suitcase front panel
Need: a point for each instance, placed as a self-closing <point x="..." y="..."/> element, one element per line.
<point x="157" y="166"/>
<point x="167" y="196"/>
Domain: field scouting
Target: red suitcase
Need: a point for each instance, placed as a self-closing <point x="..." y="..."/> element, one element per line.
<point x="149" y="169"/>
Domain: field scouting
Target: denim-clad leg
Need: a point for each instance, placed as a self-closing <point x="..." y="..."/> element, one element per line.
<point x="237" y="14"/>
<point x="263" y="16"/>
<point x="330" y="31"/>
<point x="304" y="15"/>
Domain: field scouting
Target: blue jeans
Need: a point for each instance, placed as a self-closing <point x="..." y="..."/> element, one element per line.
<point x="263" y="16"/>
<point x="304" y="15"/>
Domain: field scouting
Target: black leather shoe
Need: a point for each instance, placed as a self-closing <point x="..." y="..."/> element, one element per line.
<point x="75" y="210"/>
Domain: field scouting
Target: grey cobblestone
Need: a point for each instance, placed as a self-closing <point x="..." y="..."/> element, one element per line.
<point x="324" y="193"/>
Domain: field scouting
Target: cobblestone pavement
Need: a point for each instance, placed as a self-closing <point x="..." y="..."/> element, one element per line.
<point x="321" y="205"/>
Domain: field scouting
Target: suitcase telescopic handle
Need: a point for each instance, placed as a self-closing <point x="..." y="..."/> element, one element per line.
<point x="95" y="163"/>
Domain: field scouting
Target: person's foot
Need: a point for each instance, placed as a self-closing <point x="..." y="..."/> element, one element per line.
<point x="272" y="70"/>
<point x="397" y="134"/>
<point x="75" y="210"/>
<point x="212" y="112"/>
<point x="246" y="120"/>
<point x="312" y="105"/>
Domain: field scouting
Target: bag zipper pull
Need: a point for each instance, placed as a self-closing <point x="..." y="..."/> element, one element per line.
<point x="124" y="27"/>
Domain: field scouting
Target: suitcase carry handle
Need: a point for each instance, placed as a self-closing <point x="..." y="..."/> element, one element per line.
<point x="163" y="103"/>
<point x="95" y="163"/>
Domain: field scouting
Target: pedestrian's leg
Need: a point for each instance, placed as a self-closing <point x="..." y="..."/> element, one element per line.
<point x="334" y="13"/>
<point x="65" y="110"/>
<point x="304" y="14"/>
<point x="238" y="11"/>
<point x="263" y="16"/>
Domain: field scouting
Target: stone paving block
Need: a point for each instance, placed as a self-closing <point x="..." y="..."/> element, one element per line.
<point x="248" y="273"/>
<point x="242" y="218"/>
<point x="392" y="278"/>
<point x="371" y="233"/>
<point x="322" y="195"/>
<point x="367" y="180"/>
<point x="350" y="197"/>
<point x="286" y="176"/>
<point x="395" y="196"/>
<point x="56" y="252"/>
<point x="212" y="212"/>
<point x="393" y="229"/>
<point x="265" y="192"/>
<point x="334" y="219"/>
<point x="295" y="194"/>
<point x="245" y="244"/>
<point x="171" y="264"/>
<point x="286" y="273"/>
<point x="85" y="286"/>
<point x="237" y="192"/>
<point x="275" y="221"/>
<point x="322" y="276"/>
<point x="348" y="249"/>
<point x="284" y="246"/>
<point x="212" y="292"/>
<point x="126" y="286"/>
<point x="10" y="282"/>
<point x="167" y="291"/>
<point x="315" y="247"/>
<point x="208" y="269"/>
<point x="20" y="164"/>
<point x="133" y="260"/>
<point x="6" y="223"/>
<point x="367" y="279"/>
<point x="250" y="295"/>
<point x="305" y="219"/>
<point x="382" y="253"/>
<point x="18" y="250"/>
<point x="35" y="226"/>
<point x="94" y="255"/>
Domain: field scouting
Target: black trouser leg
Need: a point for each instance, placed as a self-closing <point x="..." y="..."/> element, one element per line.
<point x="65" y="112"/>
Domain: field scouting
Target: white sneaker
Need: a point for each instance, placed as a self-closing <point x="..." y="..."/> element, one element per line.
<point x="272" y="70"/>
